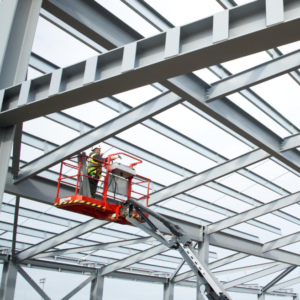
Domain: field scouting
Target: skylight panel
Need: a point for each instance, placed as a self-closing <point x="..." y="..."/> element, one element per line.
<point x="43" y="127"/>
<point x="162" y="146"/>
<point x="261" y="193"/>
<point x="138" y="96"/>
<point x="59" y="47"/>
<point x="290" y="47"/>
<point x="202" y="131"/>
<point x="283" y="94"/>
<point x="180" y="12"/>
<point x="289" y="181"/>
<point x="92" y="113"/>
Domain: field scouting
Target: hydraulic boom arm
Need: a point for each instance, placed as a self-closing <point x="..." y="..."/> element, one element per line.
<point x="210" y="287"/>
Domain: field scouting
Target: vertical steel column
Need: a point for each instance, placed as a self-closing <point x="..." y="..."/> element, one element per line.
<point x="19" y="19"/>
<point x="261" y="296"/>
<point x="97" y="287"/>
<point x="203" y="252"/>
<point x="169" y="290"/>
<point x="8" y="282"/>
<point x="14" y="240"/>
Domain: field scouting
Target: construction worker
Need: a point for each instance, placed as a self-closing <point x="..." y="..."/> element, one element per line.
<point x="94" y="168"/>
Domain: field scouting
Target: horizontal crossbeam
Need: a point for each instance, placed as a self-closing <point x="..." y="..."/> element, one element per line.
<point x="254" y="213"/>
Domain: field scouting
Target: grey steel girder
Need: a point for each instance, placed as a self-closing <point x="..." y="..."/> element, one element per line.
<point x="255" y="275"/>
<point x="100" y="133"/>
<point x="155" y="125"/>
<point x="284" y="284"/>
<point x="33" y="283"/>
<point x="79" y="287"/>
<point x="89" y="80"/>
<point x="97" y="287"/>
<point x="42" y="189"/>
<point x="281" y="242"/>
<point x="132" y="259"/>
<point x="8" y="281"/>
<point x="227" y="4"/>
<point x="208" y="175"/>
<point x="145" y="155"/>
<point x="59" y="239"/>
<point x="254" y="213"/>
<point x="278" y="278"/>
<point x="94" y="247"/>
<point x="158" y="21"/>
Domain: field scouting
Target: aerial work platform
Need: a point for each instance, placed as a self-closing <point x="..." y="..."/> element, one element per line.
<point x="117" y="184"/>
<point x="123" y="198"/>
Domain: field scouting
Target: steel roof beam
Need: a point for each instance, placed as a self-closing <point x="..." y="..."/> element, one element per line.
<point x="59" y="239"/>
<point x="274" y="53"/>
<point x="208" y="175"/>
<point x="284" y="284"/>
<point x="92" y="22"/>
<point x="158" y="21"/>
<point x="83" y="86"/>
<point x="157" y="126"/>
<point x="133" y="259"/>
<point x="255" y="275"/>
<point x="278" y="278"/>
<point x="33" y="283"/>
<point x="100" y="133"/>
<point x="120" y="144"/>
<point x="281" y="242"/>
<point x="254" y="213"/>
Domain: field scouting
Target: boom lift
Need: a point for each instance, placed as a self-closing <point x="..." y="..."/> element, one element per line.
<point x="118" y="201"/>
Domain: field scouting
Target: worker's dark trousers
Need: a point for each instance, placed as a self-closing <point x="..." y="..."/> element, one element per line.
<point x="93" y="185"/>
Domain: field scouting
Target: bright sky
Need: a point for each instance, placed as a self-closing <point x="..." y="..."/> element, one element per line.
<point x="282" y="93"/>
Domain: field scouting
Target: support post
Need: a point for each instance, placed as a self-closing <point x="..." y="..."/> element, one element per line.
<point x="20" y="19"/>
<point x="97" y="287"/>
<point x="261" y="296"/>
<point x="169" y="290"/>
<point x="203" y="253"/>
<point x="13" y="250"/>
<point x="8" y="282"/>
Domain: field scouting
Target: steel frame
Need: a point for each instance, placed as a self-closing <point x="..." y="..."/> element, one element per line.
<point x="135" y="66"/>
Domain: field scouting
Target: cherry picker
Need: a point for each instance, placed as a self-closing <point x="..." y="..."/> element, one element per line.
<point x="123" y="197"/>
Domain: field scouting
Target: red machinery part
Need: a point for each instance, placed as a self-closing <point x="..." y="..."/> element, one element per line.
<point x="104" y="207"/>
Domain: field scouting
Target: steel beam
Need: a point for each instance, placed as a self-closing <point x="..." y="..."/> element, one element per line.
<point x="216" y="239"/>
<point x="208" y="175"/>
<point x="281" y="242"/>
<point x="284" y="284"/>
<point x="255" y="275"/>
<point x="196" y="53"/>
<point x="102" y="246"/>
<point x="169" y="291"/>
<point x="290" y="143"/>
<point x="133" y="259"/>
<point x="233" y="243"/>
<point x="14" y="239"/>
<point x="100" y="133"/>
<point x="161" y="128"/>
<point x="59" y="239"/>
<point x="254" y="213"/>
<point x="92" y="22"/>
<point x="79" y="287"/>
<point x="158" y="21"/>
<point x="278" y="278"/>
<point x="33" y="284"/>
<point x="17" y="148"/>
<point x="8" y="281"/>
<point x="97" y="287"/>
<point x="213" y="265"/>
<point x="20" y="18"/>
